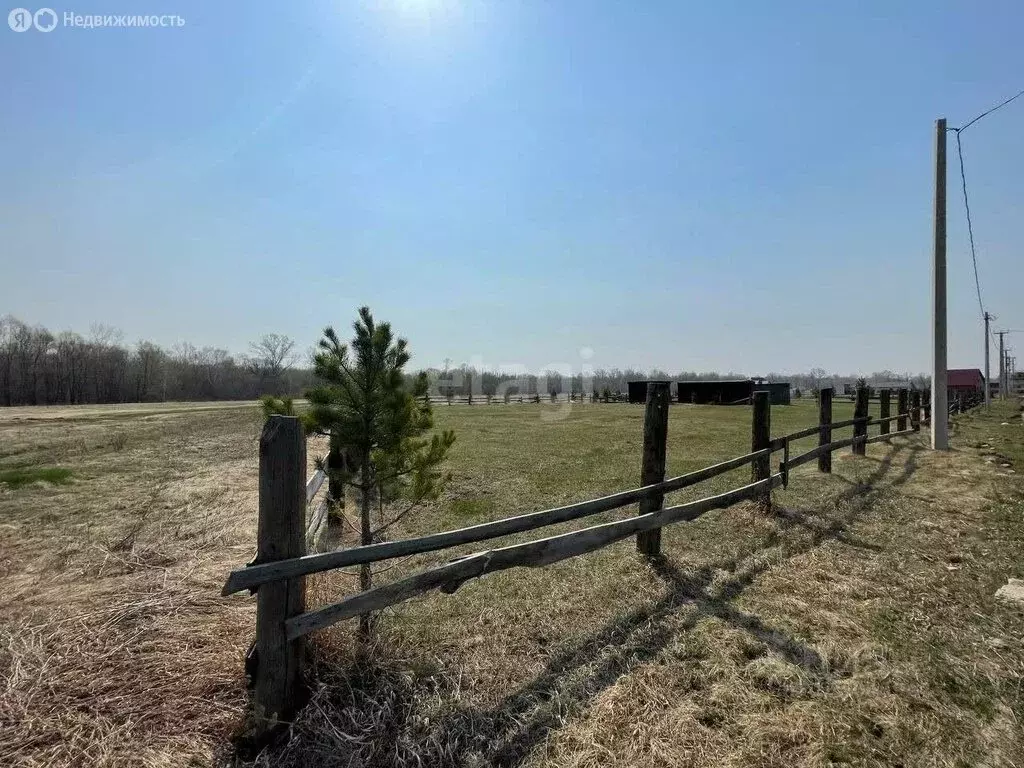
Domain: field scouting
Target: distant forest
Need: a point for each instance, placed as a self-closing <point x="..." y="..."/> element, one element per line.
<point x="38" y="367"/>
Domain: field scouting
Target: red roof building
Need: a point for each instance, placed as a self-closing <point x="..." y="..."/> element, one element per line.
<point x="965" y="380"/>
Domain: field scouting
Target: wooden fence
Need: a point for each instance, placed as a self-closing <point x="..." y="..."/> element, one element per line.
<point x="525" y="398"/>
<point x="277" y="574"/>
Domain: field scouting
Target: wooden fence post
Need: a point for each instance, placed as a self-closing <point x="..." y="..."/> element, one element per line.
<point x="652" y="468"/>
<point x="760" y="438"/>
<point x="825" y="423"/>
<point x="860" y="428"/>
<point x="901" y="409"/>
<point x="281" y="535"/>
<point x="883" y="411"/>
<point x="915" y="410"/>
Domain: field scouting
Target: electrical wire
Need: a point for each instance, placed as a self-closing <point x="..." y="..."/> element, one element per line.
<point x="970" y="226"/>
<point x="987" y="112"/>
<point x="963" y="183"/>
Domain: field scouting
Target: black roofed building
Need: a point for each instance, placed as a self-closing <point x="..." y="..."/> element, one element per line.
<point x="723" y="392"/>
<point x="730" y="391"/>
<point x="638" y="390"/>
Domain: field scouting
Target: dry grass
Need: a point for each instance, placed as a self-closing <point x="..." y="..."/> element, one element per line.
<point x="853" y="626"/>
<point x="115" y="648"/>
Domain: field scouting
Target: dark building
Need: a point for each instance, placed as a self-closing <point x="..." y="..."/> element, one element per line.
<point x="724" y="392"/>
<point x="638" y="391"/>
<point x="730" y="392"/>
<point x="779" y="391"/>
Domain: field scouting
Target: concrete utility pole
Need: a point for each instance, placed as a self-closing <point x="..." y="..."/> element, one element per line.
<point x="940" y="408"/>
<point x="1006" y="374"/>
<point x="988" y="384"/>
<point x="1002" y="365"/>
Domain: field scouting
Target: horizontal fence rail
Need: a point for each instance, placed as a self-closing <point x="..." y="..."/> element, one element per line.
<point x="778" y="442"/>
<point x="814" y="453"/>
<point x="318" y="519"/>
<point x="314" y="484"/>
<point x="887" y="435"/>
<point x="316" y="524"/>
<point x="254" y="575"/>
<point x="451" y="576"/>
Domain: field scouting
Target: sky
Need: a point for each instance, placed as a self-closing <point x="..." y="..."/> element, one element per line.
<point x="739" y="186"/>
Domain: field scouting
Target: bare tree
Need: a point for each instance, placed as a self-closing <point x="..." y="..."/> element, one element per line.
<point x="149" y="357"/>
<point x="41" y="343"/>
<point x="270" y="357"/>
<point x="9" y="327"/>
<point x="817" y="376"/>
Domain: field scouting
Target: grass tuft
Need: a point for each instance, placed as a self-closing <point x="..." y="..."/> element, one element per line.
<point x="18" y="477"/>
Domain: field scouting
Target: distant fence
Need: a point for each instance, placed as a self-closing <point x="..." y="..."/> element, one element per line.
<point x="959" y="402"/>
<point x="523" y="398"/>
<point x="278" y="572"/>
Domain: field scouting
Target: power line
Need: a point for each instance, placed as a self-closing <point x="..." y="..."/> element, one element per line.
<point x="988" y="112"/>
<point x="970" y="227"/>
<point x="963" y="182"/>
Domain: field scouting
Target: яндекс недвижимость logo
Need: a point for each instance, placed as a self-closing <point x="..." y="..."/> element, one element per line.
<point x="22" y="19"/>
<point x="46" y="20"/>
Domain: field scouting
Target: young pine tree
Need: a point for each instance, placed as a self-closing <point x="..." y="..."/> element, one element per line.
<point x="276" y="406"/>
<point x="377" y="417"/>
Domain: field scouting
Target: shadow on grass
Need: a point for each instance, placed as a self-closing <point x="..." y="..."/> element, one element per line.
<point x="506" y="734"/>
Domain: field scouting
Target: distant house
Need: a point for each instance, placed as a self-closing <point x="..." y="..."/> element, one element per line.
<point x="965" y="381"/>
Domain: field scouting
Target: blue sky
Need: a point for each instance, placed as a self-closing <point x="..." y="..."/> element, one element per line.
<point x="729" y="185"/>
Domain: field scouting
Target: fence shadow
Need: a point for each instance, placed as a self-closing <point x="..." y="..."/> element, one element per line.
<point x="573" y="677"/>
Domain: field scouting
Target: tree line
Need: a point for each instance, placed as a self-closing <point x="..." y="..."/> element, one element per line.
<point x="39" y="367"/>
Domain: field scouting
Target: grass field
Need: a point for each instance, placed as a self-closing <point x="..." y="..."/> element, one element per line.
<point x="855" y="625"/>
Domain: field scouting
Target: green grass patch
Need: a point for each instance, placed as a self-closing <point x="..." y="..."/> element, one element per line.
<point x="993" y="430"/>
<point x="471" y="508"/>
<point x="16" y="478"/>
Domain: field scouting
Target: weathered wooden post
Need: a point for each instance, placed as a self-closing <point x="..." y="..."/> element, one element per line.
<point x="883" y="411"/>
<point x="915" y="410"/>
<point x="825" y="427"/>
<point x="760" y="438"/>
<point x="901" y="409"/>
<point x="652" y="468"/>
<point x="860" y="428"/>
<point x="281" y="535"/>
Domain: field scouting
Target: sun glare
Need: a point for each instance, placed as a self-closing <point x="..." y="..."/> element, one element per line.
<point x="421" y="11"/>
